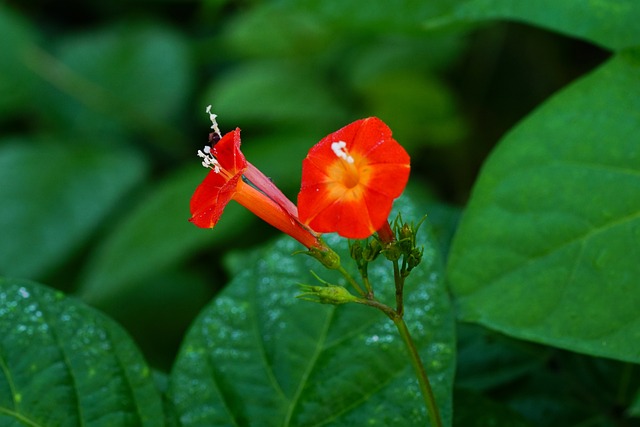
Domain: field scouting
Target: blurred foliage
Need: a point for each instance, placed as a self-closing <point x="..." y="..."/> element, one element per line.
<point x="102" y="111"/>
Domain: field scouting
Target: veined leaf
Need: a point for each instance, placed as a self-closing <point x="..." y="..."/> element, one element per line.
<point x="64" y="364"/>
<point x="257" y="355"/>
<point x="548" y="249"/>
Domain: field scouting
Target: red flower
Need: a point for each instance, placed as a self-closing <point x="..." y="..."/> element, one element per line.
<point x="350" y="179"/>
<point x="224" y="183"/>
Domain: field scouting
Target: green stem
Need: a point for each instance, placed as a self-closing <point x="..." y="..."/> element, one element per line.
<point x="399" y="282"/>
<point x="421" y="373"/>
<point x="367" y="284"/>
<point x="351" y="281"/>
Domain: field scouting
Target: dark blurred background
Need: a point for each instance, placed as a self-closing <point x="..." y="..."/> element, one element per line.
<point x="102" y="109"/>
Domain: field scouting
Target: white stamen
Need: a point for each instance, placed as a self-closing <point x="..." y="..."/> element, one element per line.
<point x="208" y="159"/>
<point x="214" y="123"/>
<point x="340" y="149"/>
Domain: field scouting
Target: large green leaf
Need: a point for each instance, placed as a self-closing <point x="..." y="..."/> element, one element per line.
<point x="400" y="16"/>
<point x="156" y="234"/>
<point x="53" y="196"/>
<point x="610" y="23"/>
<point x="123" y="76"/>
<point x="548" y="247"/>
<point x="258" y="356"/>
<point x="256" y="92"/>
<point x="63" y="364"/>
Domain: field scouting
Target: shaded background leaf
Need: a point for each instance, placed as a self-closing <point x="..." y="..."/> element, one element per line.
<point x="18" y="84"/>
<point x="54" y="196"/>
<point x="157" y="233"/>
<point x="64" y="364"/>
<point x="118" y="78"/>
<point x="475" y="410"/>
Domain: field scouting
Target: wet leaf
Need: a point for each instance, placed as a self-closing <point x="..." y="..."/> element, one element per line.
<point x="259" y="355"/>
<point x="64" y="364"/>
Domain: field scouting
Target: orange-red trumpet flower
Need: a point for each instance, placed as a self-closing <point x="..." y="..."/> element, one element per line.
<point x="350" y="179"/>
<point x="224" y="182"/>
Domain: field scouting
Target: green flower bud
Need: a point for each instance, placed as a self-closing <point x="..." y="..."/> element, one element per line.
<point x="355" y="249"/>
<point x="406" y="238"/>
<point x="330" y="294"/>
<point x="393" y="252"/>
<point x="326" y="256"/>
<point x="414" y="258"/>
<point x="372" y="250"/>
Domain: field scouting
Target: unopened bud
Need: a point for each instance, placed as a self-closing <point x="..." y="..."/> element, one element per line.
<point x="330" y="294"/>
<point x="355" y="250"/>
<point x="372" y="250"/>
<point x="393" y="252"/>
<point x="414" y="258"/>
<point x="326" y="256"/>
<point x="406" y="238"/>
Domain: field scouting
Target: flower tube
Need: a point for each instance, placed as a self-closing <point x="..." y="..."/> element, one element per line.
<point x="224" y="182"/>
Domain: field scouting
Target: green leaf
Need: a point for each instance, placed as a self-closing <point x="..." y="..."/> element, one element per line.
<point x="487" y="360"/>
<point x="547" y="248"/>
<point x="269" y="31"/>
<point x="54" y="196"/>
<point x="155" y="235"/>
<point x="64" y="364"/>
<point x="275" y="93"/>
<point x="418" y="107"/>
<point x="159" y="310"/>
<point x="257" y="355"/>
<point x="634" y="409"/>
<point x="612" y="24"/>
<point x="136" y="76"/>
<point x="476" y="410"/>
<point x="18" y="83"/>
<point x="401" y="16"/>
<point x="279" y="155"/>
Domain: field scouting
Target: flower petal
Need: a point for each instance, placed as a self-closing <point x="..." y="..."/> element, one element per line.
<point x="217" y="188"/>
<point x="348" y="216"/>
<point x="211" y="197"/>
<point x="388" y="179"/>
<point x="228" y="153"/>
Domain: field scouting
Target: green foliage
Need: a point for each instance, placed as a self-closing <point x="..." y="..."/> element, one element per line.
<point x="119" y="78"/>
<point x="544" y="248"/>
<point x="102" y="111"/>
<point x="146" y="239"/>
<point x="609" y="23"/>
<point x="64" y="364"/>
<point x="258" y="355"/>
<point x="56" y="194"/>
<point x="17" y="84"/>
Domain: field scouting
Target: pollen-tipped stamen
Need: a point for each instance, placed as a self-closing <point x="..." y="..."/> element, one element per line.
<point x="208" y="160"/>
<point x="214" y="123"/>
